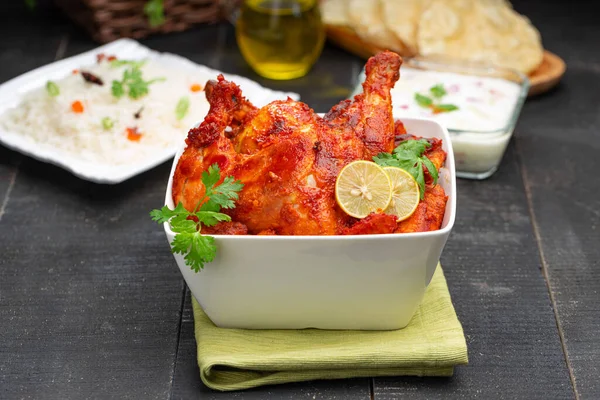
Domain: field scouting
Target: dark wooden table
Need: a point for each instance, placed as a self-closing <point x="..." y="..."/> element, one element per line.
<point x="92" y="304"/>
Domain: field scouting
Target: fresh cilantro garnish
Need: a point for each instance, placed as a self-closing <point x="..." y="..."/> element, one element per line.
<point x="133" y="81"/>
<point x="52" y="89"/>
<point x="183" y="105"/>
<point x="437" y="93"/>
<point x="200" y="249"/>
<point x="131" y="63"/>
<point x="423" y="101"/>
<point x="155" y="11"/>
<point x="117" y="88"/>
<point x="445" y="108"/>
<point x="409" y="155"/>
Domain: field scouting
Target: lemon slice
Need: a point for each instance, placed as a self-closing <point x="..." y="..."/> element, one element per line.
<point x="363" y="187"/>
<point x="405" y="193"/>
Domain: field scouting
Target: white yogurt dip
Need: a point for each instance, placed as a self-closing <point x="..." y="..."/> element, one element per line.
<point x="481" y="126"/>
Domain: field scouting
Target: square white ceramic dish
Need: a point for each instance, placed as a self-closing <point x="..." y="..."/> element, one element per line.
<point x="11" y="94"/>
<point x="368" y="282"/>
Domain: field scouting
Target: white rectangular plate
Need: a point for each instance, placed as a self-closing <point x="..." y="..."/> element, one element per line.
<point x="12" y="92"/>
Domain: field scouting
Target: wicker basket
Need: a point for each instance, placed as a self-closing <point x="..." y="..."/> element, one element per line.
<point x="107" y="20"/>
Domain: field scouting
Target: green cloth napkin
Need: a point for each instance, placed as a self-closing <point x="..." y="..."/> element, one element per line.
<point x="431" y="345"/>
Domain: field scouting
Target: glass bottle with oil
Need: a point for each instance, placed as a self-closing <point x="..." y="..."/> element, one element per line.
<point x="280" y="39"/>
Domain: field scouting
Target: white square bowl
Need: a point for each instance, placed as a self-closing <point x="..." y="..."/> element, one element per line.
<point x="366" y="282"/>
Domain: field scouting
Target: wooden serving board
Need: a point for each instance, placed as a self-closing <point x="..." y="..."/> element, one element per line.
<point x="544" y="78"/>
<point x="547" y="75"/>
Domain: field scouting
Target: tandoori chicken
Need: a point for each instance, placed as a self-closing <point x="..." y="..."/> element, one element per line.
<point x="288" y="159"/>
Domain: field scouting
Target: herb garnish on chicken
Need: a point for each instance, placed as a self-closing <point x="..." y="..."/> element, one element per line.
<point x="199" y="249"/>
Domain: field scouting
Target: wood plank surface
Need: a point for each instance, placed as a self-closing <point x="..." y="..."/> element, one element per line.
<point x="558" y="148"/>
<point x="20" y="52"/>
<point x="30" y="39"/>
<point x="567" y="219"/>
<point x="560" y="160"/>
<point x="500" y="296"/>
<point x="8" y="175"/>
<point x="90" y="299"/>
<point x="89" y="304"/>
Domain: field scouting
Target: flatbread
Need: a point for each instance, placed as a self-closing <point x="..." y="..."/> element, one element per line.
<point x="401" y="17"/>
<point x="366" y="18"/>
<point x="334" y="12"/>
<point x="488" y="31"/>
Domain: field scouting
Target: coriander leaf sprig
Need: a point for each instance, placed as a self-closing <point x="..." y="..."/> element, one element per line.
<point x="133" y="81"/>
<point x="409" y="155"/>
<point x="437" y="92"/>
<point x="200" y="249"/>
